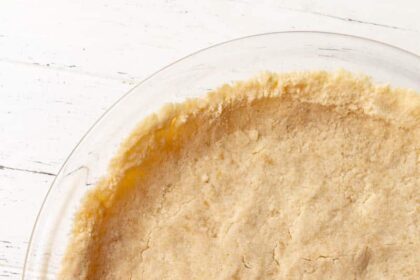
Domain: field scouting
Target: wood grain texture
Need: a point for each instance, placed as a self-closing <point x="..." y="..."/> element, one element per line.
<point x="63" y="63"/>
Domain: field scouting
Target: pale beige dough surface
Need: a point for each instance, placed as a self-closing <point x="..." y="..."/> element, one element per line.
<point x="291" y="176"/>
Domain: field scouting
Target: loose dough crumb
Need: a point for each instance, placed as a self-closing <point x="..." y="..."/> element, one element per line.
<point x="287" y="176"/>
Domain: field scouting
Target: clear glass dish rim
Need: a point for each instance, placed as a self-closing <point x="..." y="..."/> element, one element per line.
<point x="100" y="118"/>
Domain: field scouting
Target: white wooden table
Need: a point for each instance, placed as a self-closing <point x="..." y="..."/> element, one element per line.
<point x="64" y="62"/>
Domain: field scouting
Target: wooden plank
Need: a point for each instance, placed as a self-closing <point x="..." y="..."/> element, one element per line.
<point x="131" y="39"/>
<point x="21" y="196"/>
<point x="44" y="113"/>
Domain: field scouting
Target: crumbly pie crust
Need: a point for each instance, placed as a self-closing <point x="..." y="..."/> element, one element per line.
<point x="309" y="175"/>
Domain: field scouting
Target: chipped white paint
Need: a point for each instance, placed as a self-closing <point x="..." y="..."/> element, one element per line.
<point x="62" y="63"/>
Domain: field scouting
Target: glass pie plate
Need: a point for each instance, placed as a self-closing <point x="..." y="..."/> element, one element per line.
<point x="189" y="77"/>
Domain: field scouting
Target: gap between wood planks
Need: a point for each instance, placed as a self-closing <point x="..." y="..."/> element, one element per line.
<point x="348" y="19"/>
<point x="27" y="170"/>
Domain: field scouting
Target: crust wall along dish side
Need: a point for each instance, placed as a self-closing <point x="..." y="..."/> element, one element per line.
<point x="310" y="175"/>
